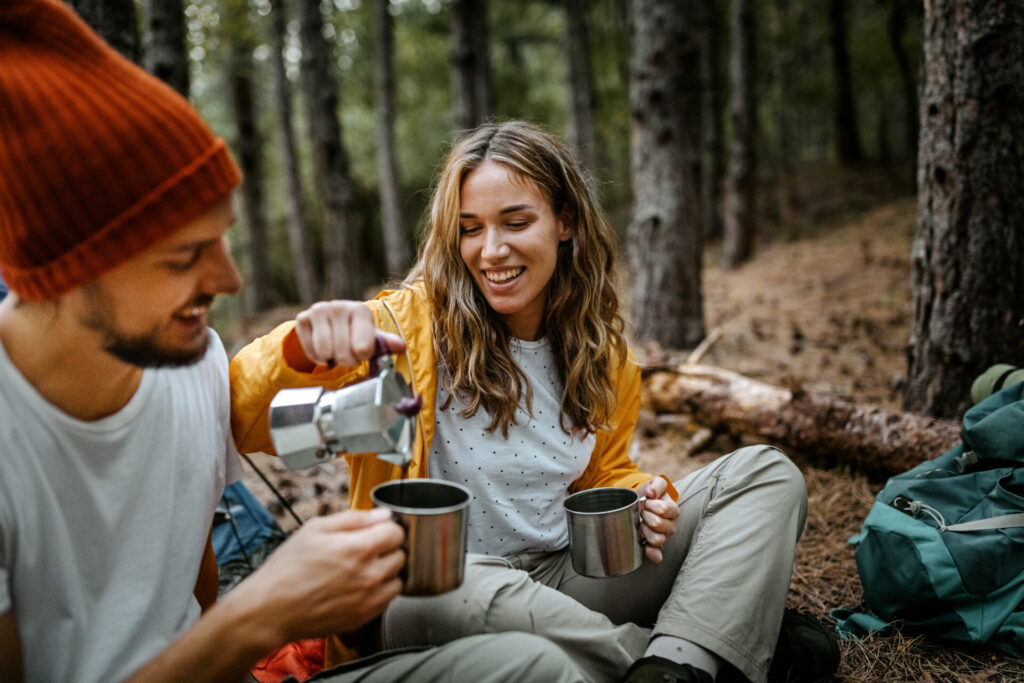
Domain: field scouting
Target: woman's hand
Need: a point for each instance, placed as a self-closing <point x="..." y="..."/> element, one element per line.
<point x="659" y="515"/>
<point x="340" y="333"/>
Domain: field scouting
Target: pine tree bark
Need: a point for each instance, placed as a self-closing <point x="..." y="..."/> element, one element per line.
<point x="968" y="254"/>
<point x="164" y="53"/>
<point x="847" y="135"/>
<point x="471" y="64"/>
<point x="712" y="151"/>
<point x="665" y="235"/>
<point x="307" y="283"/>
<point x="341" y="241"/>
<point x="740" y="216"/>
<point x="581" y="94"/>
<point x="249" y="146"/>
<point x="396" y="243"/>
<point x="115" y="21"/>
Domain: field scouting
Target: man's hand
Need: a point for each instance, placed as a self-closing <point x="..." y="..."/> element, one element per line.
<point x="659" y="517"/>
<point x="333" y="575"/>
<point x="340" y="332"/>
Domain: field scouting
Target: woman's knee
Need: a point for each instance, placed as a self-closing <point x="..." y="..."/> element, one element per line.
<point x="476" y="606"/>
<point x="771" y="467"/>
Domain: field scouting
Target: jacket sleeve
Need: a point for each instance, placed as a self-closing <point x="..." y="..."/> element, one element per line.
<point x="264" y="367"/>
<point x="610" y="464"/>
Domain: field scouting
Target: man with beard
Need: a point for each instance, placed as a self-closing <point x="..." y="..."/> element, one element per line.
<point x="115" y="443"/>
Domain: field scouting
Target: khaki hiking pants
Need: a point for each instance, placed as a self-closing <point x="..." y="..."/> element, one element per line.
<point x="494" y="658"/>
<point x="723" y="582"/>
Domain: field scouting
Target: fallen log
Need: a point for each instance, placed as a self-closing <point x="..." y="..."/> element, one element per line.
<point x="877" y="441"/>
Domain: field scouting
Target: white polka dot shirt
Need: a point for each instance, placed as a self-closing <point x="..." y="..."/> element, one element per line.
<point x="518" y="483"/>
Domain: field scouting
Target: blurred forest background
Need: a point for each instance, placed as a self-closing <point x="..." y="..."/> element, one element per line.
<point x="711" y="128"/>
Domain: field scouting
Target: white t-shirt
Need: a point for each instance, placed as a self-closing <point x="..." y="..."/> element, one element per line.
<point x="103" y="523"/>
<point x="518" y="483"/>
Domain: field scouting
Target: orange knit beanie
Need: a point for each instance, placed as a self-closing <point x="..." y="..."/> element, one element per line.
<point x="98" y="159"/>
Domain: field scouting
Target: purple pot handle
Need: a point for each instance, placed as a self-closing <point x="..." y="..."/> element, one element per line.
<point x="410" y="406"/>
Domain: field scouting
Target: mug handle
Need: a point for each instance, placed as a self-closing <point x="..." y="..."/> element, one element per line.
<point x="640" y="519"/>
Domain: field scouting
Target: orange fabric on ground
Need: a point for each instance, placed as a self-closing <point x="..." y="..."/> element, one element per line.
<point x="301" y="659"/>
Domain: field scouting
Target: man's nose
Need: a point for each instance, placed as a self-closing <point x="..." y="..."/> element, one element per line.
<point x="222" y="275"/>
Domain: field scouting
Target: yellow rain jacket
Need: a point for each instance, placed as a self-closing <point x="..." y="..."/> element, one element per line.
<point x="276" y="362"/>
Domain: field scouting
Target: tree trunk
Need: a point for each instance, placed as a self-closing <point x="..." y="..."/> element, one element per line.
<point x="581" y="94"/>
<point x="341" y="243"/>
<point x="249" y="145"/>
<point x="165" y="56"/>
<point x="740" y="219"/>
<point x="781" y="66"/>
<point x="885" y="155"/>
<point x="471" y="64"/>
<point x="879" y="442"/>
<point x="968" y="254"/>
<point x="896" y="28"/>
<point x="847" y="136"/>
<point x="665" y="235"/>
<point x="396" y="243"/>
<point x="299" y="239"/>
<point x="115" y="21"/>
<point x="712" y="150"/>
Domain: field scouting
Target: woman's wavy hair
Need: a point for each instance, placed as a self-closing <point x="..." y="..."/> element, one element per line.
<point x="581" y="320"/>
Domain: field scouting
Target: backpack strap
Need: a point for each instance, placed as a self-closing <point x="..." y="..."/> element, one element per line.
<point x="915" y="507"/>
<point x="1001" y="522"/>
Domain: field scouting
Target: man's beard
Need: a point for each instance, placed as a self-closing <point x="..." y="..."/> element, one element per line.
<point x="142" y="350"/>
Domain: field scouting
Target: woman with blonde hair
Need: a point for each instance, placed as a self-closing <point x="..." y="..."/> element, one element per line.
<point x="511" y="331"/>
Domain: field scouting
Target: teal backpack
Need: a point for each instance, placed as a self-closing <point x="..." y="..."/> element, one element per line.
<point x="941" y="551"/>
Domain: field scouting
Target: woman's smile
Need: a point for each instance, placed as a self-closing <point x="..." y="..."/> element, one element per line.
<point x="503" y="275"/>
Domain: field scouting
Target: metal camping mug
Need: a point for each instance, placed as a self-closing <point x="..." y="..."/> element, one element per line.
<point x="434" y="514"/>
<point x="604" y="531"/>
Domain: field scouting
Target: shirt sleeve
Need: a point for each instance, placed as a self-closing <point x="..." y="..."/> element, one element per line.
<point x="232" y="466"/>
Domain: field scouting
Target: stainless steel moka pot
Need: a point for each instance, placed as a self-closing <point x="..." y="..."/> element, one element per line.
<point x="377" y="415"/>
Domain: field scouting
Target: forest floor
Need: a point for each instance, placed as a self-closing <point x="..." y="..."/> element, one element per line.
<point x="828" y="309"/>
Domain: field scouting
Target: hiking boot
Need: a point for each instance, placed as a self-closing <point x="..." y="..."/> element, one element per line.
<point x="808" y="650"/>
<point x="654" y="669"/>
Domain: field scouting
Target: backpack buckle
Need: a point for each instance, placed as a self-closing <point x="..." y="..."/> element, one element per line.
<point x="903" y="504"/>
<point x="965" y="460"/>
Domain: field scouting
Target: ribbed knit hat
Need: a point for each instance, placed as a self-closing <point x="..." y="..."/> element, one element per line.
<point x="98" y="159"/>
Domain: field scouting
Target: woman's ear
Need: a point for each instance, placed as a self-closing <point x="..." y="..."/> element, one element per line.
<point x="565" y="226"/>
